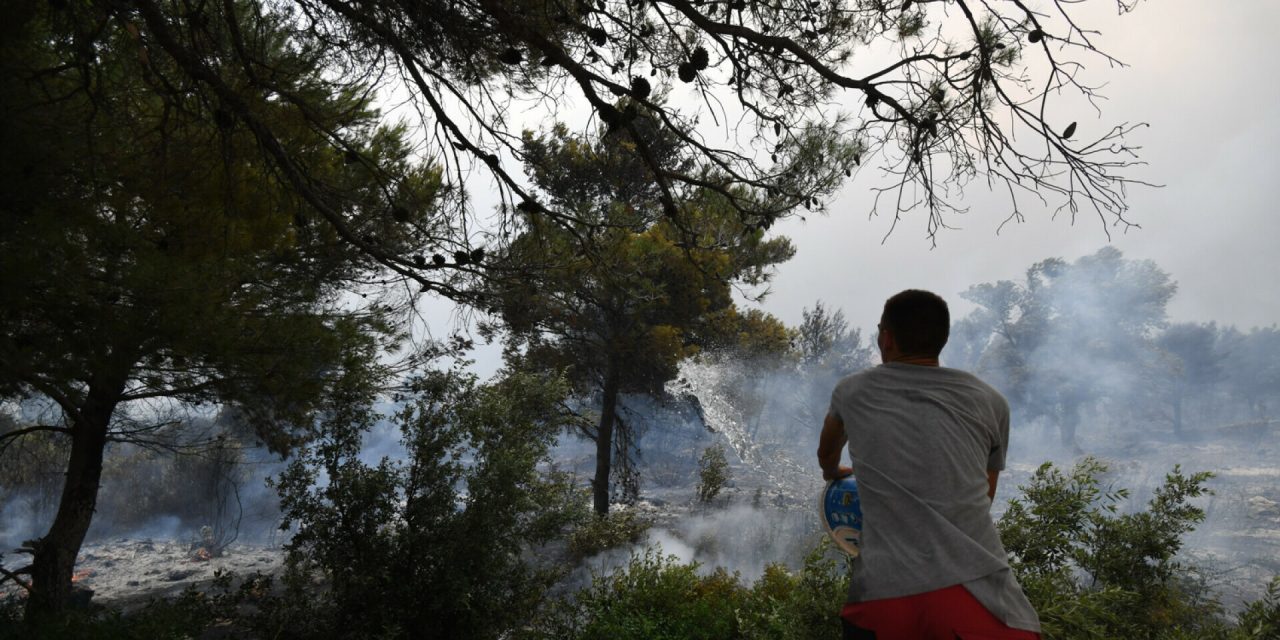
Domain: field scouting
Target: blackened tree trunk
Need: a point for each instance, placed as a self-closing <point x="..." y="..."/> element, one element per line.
<point x="604" y="439"/>
<point x="55" y="553"/>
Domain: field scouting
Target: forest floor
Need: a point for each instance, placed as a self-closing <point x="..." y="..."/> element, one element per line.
<point x="768" y="513"/>
<point x="126" y="573"/>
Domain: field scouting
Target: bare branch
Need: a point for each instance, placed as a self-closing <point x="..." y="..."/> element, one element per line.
<point x="13" y="575"/>
<point x="10" y="437"/>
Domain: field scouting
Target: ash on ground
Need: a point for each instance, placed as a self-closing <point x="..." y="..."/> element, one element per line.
<point x="127" y="572"/>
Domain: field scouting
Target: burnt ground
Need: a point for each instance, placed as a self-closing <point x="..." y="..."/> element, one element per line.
<point x="126" y="572"/>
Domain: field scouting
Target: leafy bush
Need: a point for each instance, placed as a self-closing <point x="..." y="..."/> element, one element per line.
<point x="658" y="597"/>
<point x="787" y="605"/>
<point x="366" y="564"/>
<point x="652" y="598"/>
<point x="596" y="533"/>
<point x="430" y="546"/>
<point x="713" y="473"/>
<point x="1092" y="572"/>
<point x="1261" y="619"/>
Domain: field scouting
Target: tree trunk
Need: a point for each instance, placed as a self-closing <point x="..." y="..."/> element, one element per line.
<point x="604" y="440"/>
<point x="55" y="553"/>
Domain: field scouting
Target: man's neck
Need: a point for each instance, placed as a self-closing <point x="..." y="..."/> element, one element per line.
<point x="923" y="361"/>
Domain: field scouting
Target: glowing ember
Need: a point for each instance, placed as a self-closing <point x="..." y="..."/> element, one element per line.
<point x="203" y="554"/>
<point x="81" y="575"/>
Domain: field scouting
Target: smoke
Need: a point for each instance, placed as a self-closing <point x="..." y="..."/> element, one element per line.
<point x="1076" y="349"/>
<point x="1073" y="344"/>
<point x="156" y="494"/>
<point x="21" y="518"/>
<point x="741" y="539"/>
<point x="1084" y="354"/>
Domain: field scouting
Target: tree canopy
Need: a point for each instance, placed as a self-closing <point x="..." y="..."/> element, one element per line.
<point x="151" y="262"/>
<point x="618" y="301"/>
<point x="754" y="93"/>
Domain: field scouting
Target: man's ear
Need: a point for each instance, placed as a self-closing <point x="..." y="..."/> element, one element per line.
<point x="884" y="339"/>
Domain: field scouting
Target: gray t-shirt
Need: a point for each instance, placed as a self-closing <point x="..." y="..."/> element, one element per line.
<point x="921" y="440"/>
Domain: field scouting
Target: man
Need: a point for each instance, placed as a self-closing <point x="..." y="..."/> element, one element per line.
<point x="927" y="444"/>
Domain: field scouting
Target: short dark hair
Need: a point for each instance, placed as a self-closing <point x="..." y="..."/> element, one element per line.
<point x="920" y="322"/>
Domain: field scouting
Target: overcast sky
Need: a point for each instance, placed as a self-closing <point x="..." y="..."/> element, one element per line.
<point x="1197" y="74"/>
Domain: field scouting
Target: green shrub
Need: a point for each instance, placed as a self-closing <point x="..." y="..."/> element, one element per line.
<point x="786" y="605"/>
<point x="658" y="597"/>
<point x="596" y="533"/>
<point x="1092" y="572"/>
<point x="713" y="473"/>
<point x="431" y="546"/>
<point x="1261" y="619"/>
<point x="652" y="598"/>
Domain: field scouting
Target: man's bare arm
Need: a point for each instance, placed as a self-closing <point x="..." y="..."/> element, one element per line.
<point x="830" y="445"/>
<point x="992" y="478"/>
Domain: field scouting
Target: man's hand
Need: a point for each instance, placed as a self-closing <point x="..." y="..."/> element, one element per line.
<point x="837" y="473"/>
<point x="830" y="444"/>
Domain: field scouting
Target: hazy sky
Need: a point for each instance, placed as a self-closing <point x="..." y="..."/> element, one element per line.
<point x="1196" y="74"/>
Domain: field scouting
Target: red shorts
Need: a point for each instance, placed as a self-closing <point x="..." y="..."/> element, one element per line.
<point x="945" y="614"/>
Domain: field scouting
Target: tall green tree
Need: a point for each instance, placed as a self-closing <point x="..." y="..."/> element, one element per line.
<point x="620" y="300"/>
<point x="152" y="262"/>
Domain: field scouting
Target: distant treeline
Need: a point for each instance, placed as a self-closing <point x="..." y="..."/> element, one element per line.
<point x="1089" y="342"/>
<point x="1082" y="343"/>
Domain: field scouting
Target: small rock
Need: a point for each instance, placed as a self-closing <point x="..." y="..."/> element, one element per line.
<point x="180" y="574"/>
<point x="133" y="583"/>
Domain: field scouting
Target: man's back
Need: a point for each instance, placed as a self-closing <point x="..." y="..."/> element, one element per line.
<point x="921" y="441"/>
<point x="927" y="445"/>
